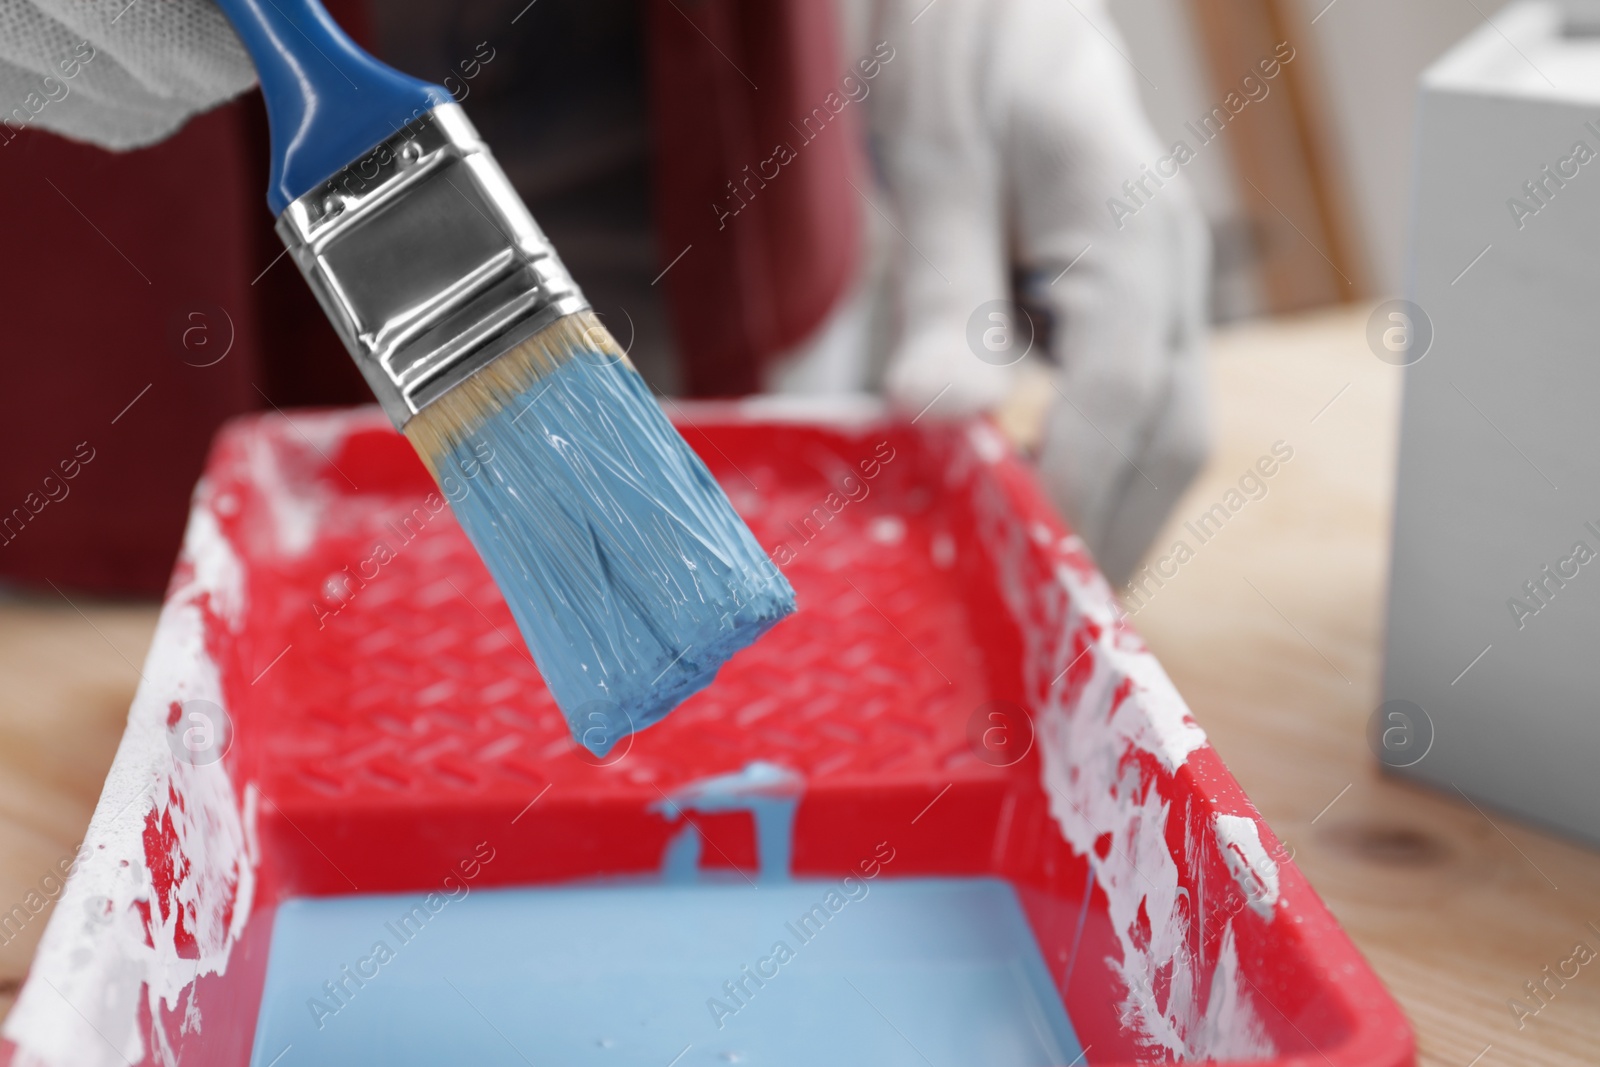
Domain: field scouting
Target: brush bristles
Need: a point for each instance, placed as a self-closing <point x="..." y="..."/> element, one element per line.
<point x="627" y="570"/>
<point x="439" y="428"/>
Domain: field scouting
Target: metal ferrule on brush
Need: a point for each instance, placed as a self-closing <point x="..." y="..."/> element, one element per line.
<point x="426" y="261"/>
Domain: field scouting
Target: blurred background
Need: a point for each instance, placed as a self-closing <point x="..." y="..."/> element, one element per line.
<point x="147" y="301"/>
<point x="613" y="142"/>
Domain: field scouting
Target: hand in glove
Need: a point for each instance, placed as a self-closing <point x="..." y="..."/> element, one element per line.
<point x="1001" y="131"/>
<point x="118" y="73"/>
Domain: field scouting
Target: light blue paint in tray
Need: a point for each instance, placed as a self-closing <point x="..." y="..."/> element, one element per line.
<point x="921" y="972"/>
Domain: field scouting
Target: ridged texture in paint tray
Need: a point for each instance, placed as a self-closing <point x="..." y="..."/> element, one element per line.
<point x="630" y="575"/>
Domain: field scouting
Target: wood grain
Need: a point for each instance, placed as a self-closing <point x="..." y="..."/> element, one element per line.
<point x="67" y="676"/>
<point x="1272" y="633"/>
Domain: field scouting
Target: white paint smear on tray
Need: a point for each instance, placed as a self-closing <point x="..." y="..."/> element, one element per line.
<point x="1239" y="838"/>
<point x="95" y="968"/>
<point x="1108" y="701"/>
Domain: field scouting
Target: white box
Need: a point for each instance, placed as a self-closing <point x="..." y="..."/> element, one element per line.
<point x="1499" y="476"/>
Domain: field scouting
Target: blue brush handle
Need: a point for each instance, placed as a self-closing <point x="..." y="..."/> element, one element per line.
<point x="328" y="101"/>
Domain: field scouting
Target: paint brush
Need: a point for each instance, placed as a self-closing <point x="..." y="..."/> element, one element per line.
<point x="629" y="574"/>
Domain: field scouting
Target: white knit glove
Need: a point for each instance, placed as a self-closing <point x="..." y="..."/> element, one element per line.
<point x="1001" y="129"/>
<point x="113" y="72"/>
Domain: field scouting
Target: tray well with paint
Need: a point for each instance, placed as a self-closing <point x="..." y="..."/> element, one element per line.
<point x="951" y="812"/>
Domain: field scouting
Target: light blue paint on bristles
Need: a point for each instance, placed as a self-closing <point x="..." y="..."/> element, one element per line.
<point x="770" y="794"/>
<point x="630" y="575"/>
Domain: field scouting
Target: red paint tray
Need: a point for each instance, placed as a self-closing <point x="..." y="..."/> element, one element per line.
<point x="956" y="682"/>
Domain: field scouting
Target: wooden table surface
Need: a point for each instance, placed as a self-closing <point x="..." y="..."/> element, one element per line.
<point x="1272" y="632"/>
